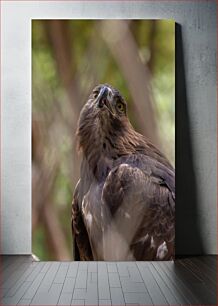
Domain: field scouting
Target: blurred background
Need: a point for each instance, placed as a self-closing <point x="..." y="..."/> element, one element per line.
<point x="70" y="57"/>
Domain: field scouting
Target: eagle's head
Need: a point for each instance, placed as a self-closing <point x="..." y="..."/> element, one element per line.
<point x="109" y="102"/>
<point x="105" y="105"/>
<point x="103" y="116"/>
<point x="105" y="132"/>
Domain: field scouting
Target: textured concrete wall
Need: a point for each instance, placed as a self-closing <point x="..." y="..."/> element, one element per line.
<point x="196" y="113"/>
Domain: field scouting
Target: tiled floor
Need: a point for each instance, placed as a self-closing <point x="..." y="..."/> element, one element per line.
<point x="188" y="281"/>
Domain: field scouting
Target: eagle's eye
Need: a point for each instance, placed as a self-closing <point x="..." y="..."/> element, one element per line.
<point x="120" y="107"/>
<point x="95" y="93"/>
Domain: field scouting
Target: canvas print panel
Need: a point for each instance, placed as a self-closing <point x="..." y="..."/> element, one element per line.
<point x="103" y="138"/>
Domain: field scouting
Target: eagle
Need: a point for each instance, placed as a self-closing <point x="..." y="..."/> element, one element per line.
<point x="124" y="202"/>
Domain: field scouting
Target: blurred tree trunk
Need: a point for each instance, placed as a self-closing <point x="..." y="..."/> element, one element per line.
<point x="55" y="236"/>
<point x="43" y="180"/>
<point x="151" y="40"/>
<point x="134" y="27"/>
<point x="58" y="35"/>
<point x="124" y="49"/>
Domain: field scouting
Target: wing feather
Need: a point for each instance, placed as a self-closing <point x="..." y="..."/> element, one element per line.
<point x="139" y="209"/>
<point x="82" y="248"/>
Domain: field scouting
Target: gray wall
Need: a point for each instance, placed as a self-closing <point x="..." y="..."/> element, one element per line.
<point x="196" y="113"/>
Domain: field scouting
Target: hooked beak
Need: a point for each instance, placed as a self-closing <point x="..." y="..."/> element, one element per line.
<point x="105" y="98"/>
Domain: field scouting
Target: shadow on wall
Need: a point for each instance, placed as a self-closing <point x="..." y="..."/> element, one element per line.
<point x="188" y="234"/>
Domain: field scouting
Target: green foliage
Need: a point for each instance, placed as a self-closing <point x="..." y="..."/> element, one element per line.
<point x="39" y="242"/>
